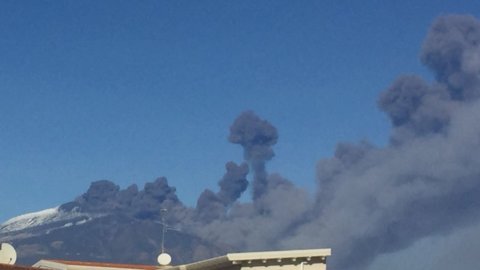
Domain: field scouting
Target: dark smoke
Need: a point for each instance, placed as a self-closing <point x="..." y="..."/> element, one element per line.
<point x="377" y="200"/>
<point x="105" y="196"/>
<point x="257" y="137"/>
<point x="451" y="52"/>
<point x="415" y="108"/>
<point x="233" y="183"/>
<point x="212" y="206"/>
<point x="374" y="201"/>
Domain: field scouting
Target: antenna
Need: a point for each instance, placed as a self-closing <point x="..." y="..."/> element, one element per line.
<point x="164" y="258"/>
<point x="164" y="228"/>
<point x="8" y="255"/>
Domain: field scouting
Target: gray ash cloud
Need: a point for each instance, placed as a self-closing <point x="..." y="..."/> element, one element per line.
<point x="451" y="52"/>
<point x="256" y="136"/>
<point x="427" y="181"/>
<point x="374" y="200"/>
<point x="106" y="196"/>
<point x="210" y="205"/>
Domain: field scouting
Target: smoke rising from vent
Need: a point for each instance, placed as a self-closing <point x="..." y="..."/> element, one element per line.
<point x="370" y="200"/>
<point x="212" y="206"/>
<point x="257" y="137"/>
<point x="377" y="200"/>
<point x="233" y="183"/>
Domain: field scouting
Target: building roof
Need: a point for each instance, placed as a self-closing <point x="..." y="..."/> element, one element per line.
<point x="15" y="267"/>
<point x="263" y="257"/>
<point x="249" y="257"/>
<point x="80" y="265"/>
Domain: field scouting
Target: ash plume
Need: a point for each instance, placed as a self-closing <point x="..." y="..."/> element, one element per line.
<point x="233" y="183"/>
<point x="372" y="200"/>
<point x="257" y="137"/>
<point x="212" y="205"/>
<point x="104" y="196"/>
<point x="426" y="182"/>
<point x="415" y="108"/>
<point x="451" y="52"/>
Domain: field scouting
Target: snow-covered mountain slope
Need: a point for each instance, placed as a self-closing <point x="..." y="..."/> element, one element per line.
<point x="44" y="217"/>
<point x="29" y="220"/>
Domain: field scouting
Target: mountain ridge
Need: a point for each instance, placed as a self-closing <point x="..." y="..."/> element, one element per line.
<point x="106" y="224"/>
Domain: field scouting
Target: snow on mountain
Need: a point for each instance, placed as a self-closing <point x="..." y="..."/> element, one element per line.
<point x="43" y="217"/>
<point x="29" y="220"/>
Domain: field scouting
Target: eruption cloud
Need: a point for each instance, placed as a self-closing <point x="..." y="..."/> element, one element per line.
<point x="374" y="200"/>
<point x="212" y="206"/>
<point x="427" y="181"/>
<point x="257" y="137"/>
<point x="370" y="200"/>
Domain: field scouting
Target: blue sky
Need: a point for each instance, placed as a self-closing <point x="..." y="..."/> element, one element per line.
<point x="133" y="90"/>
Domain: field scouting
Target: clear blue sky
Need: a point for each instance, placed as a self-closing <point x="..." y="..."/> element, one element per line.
<point x="133" y="90"/>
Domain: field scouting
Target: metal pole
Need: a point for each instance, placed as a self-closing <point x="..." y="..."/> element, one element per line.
<point x="164" y="228"/>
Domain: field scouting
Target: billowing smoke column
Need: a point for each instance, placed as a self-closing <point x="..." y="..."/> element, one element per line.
<point x="257" y="137"/>
<point x="427" y="181"/>
<point x="451" y="51"/>
<point x="233" y="183"/>
<point x="212" y="206"/>
<point x="277" y="205"/>
<point x="373" y="200"/>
